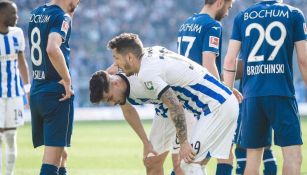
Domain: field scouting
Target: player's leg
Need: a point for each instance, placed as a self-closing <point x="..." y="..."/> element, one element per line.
<point x="269" y="161"/>
<point x="176" y="165"/>
<point x="255" y="133"/>
<point x="292" y="160"/>
<point x="2" y="111"/>
<point x="14" y="119"/>
<point x="161" y="136"/>
<point x="224" y="166"/>
<point x="62" y="167"/>
<point x="287" y="132"/>
<point x="241" y="159"/>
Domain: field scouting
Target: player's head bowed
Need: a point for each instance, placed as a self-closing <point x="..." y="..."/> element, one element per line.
<point x="98" y="86"/>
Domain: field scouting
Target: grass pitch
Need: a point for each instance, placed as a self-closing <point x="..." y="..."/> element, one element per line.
<point x="107" y="148"/>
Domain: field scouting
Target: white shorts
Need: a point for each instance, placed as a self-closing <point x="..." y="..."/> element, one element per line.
<point x="11" y="112"/>
<point x="213" y="134"/>
<point x="163" y="133"/>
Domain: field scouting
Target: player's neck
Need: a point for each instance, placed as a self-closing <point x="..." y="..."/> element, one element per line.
<point x="4" y="29"/>
<point x="59" y="3"/>
<point x="208" y="10"/>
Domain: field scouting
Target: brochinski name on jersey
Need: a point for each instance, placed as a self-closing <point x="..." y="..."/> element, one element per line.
<point x="265" y="69"/>
<point x="39" y="18"/>
<point x="191" y="28"/>
<point x="266" y="14"/>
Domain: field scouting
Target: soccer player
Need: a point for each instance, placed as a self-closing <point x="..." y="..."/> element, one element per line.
<point x="200" y="39"/>
<point x="51" y="101"/>
<point x="12" y="66"/>
<point x="192" y="87"/>
<point x="162" y="137"/>
<point x="265" y="35"/>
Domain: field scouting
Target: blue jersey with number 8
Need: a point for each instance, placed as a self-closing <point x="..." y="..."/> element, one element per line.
<point x="267" y="32"/>
<point x="44" y="20"/>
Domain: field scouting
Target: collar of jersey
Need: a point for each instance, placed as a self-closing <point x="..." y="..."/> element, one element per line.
<point x="127" y="93"/>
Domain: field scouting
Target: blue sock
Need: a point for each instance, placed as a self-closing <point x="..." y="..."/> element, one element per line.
<point x="62" y="171"/>
<point x="48" y="169"/>
<point x="241" y="160"/>
<point x="223" y="169"/>
<point x="270" y="165"/>
<point x="173" y="173"/>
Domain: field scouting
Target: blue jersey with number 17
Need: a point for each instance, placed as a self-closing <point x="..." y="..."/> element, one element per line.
<point x="44" y="20"/>
<point x="268" y="31"/>
<point x="200" y="33"/>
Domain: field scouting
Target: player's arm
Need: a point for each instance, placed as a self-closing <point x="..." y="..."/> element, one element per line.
<point x="133" y="118"/>
<point x="177" y="115"/>
<point x="209" y="63"/>
<point x="23" y="69"/>
<point x="301" y="51"/>
<point x="57" y="59"/>
<point x="230" y="63"/>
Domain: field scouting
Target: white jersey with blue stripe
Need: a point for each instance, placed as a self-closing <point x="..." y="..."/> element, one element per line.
<point x="197" y="90"/>
<point x="10" y="45"/>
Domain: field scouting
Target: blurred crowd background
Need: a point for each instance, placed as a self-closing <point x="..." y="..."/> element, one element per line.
<point x="156" y="21"/>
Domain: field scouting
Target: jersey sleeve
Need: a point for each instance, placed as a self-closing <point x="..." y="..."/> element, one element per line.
<point x="61" y="25"/>
<point x="300" y="28"/>
<point x="212" y="39"/>
<point x="153" y="81"/>
<point x="21" y="40"/>
<point x="236" y="29"/>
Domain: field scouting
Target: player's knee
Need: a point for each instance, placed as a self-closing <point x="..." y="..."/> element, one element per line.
<point x="64" y="155"/>
<point x="154" y="162"/>
<point x="293" y="160"/>
<point x="10" y="139"/>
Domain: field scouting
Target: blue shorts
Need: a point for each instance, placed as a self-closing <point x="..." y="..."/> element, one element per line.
<point x="260" y="114"/>
<point x="237" y="137"/>
<point x="52" y="120"/>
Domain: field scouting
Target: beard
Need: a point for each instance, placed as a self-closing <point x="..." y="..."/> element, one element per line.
<point x="219" y="15"/>
<point x="72" y="8"/>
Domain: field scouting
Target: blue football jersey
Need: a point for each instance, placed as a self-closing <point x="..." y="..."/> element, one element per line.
<point x="267" y="32"/>
<point x="44" y="20"/>
<point x="198" y="34"/>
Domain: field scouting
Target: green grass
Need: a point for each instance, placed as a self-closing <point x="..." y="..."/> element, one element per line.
<point x="106" y="148"/>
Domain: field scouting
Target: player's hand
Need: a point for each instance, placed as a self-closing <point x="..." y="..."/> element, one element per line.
<point x="113" y="69"/>
<point x="148" y="153"/>
<point x="27" y="105"/>
<point x="186" y="152"/>
<point x="237" y="94"/>
<point x="68" y="91"/>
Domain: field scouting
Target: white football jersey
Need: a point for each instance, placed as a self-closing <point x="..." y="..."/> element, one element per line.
<point x="197" y="90"/>
<point x="10" y="45"/>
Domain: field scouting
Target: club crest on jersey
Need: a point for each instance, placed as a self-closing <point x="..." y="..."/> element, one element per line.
<point x="214" y="42"/>
<point x="305" y="28"/>
<point x="149" y="85"/>
<point x="65" y="26"/>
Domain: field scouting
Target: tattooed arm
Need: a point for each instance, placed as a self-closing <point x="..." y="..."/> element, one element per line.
<point x="176" y="112"/>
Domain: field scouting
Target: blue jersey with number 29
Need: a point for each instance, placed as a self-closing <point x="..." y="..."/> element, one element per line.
<point x="44" y="20"/>
<point x="268" y="31"/>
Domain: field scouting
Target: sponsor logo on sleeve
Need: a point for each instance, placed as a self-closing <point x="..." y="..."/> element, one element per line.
<point x="305" y="28"/>
<point x="149" y="85"/>
<point x="214" y="42"/>
<point x="65" y="26"/>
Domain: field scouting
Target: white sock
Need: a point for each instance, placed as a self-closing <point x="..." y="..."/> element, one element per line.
<point x="192" y="168"/>
<point x="1" y="136"/>
<point x="11" y="150"/>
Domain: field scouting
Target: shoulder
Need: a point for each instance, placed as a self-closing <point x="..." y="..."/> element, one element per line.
<point x="17" y="31"/>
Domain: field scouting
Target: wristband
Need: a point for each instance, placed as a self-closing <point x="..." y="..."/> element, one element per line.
<point x="27" y="87"/>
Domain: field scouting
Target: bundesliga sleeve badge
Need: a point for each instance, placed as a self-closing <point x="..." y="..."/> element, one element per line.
<point x="214" y="42"/>
<point x="305" y="28"/>
<point x="65" y="26"/>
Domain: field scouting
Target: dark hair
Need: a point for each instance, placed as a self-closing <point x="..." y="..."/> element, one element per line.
<point x="99" y="84"/>
<point x="4" y="4"/>
<point x="127" y="42"/>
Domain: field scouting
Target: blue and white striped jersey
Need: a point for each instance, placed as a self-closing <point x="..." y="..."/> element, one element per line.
<point x="10" y="45"/>
<point x="136" y="93"/>
<point x="197" y="90"/>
